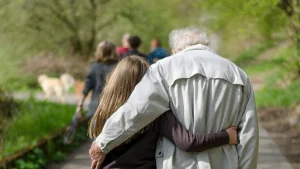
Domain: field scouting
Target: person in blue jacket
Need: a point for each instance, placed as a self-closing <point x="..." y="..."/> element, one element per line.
<point x="157" y="52"/>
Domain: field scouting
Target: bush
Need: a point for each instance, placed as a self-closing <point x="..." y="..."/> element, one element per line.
<point x="8" y="106"/>
<point x="53" y="151"/>
<point x="253" y="52"/>
<point x="36" y="120"/>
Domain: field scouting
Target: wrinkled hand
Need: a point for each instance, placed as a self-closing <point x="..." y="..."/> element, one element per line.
<point x="97" y="156"/>
<point x="233" y="137"/>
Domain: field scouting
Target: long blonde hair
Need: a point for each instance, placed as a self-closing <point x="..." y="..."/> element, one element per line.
<point x="119" y="85"/>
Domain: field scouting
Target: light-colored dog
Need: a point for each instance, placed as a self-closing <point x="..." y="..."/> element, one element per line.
<point x="59" y="86"/>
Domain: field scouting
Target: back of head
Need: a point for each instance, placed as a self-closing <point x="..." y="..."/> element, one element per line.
<point x="155" y="43"/>
<point x="106" y="52"/>
<point x="125" y="39"/>
<point x="134" y="42"/>
<point x="182" y="38"/>
<point x="119" y="85"/>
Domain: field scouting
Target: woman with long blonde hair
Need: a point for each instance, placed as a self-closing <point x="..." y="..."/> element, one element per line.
<point x="139" y="151"/>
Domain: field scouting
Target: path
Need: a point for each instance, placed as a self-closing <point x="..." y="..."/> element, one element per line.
<point x="270" y="156"/>
<point x="78" y="159"/>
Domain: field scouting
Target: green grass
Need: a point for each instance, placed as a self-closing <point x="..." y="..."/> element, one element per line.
<point x="11" y="76"/>
<point x="272" y="96"/>
<point x="269" y="65"/>
<point x="251" y="54"/>
<point x="35" y="121"/>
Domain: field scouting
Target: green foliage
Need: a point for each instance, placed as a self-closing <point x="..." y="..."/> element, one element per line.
<point x="254" y="51"/>
<point x="267" y="66"/>
<point x="278" y="97"/>
<point x="11" y="76"/>
<point x="8" y="108"/>
<point x="274" y="74"/>
<point x="36" y="120"/>
<point x="75" y="27"/>
<point x="72" y="26"/>
<point x="55" y="151"/>
<point x="34" y="160"/>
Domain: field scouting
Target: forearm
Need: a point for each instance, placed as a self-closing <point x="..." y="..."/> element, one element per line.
<point x="187" y="141"/>
<point x="119" y="128"/>
<point x="81" y="100"/>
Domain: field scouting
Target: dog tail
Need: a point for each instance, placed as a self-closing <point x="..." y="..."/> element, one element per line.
<point x="67" y="80"/>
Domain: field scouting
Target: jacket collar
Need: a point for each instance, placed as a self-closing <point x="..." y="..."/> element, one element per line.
<point x="198" y="47"/>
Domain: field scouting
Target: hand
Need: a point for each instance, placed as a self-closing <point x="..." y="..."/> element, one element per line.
<point x="233" y="137"/>
<point x="97" y="156"/>
<point x="79" y="111"/>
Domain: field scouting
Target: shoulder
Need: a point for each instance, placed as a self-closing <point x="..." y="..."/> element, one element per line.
<point x="184" y="65"/>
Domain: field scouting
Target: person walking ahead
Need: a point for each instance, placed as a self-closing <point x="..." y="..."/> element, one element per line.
<point x="206" y="92"/>
<point x="134" y="44"/>
<point x="106" y="59"/>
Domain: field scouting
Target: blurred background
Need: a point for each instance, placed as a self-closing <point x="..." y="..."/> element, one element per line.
<point x="53" y="37"/>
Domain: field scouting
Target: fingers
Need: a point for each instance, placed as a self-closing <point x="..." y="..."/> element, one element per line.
<point x="94" y="163"/>
<point x="98" y="165"/>
<point x="234" y="127"/>
<point x="90" y="153"/>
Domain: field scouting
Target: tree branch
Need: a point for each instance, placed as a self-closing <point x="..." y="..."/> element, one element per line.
<point x="59" y="16"/>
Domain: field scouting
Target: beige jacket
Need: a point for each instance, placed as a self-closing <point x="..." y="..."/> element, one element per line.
<point x="211" y="93"/>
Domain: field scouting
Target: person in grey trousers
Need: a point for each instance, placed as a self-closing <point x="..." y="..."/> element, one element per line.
<point x="206" y="92"/>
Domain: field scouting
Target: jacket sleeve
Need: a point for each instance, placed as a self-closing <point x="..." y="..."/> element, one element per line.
<point x="248" y="133"/>
<point x="187" y="141"/>
<point x="89" y="81"/>
<point x="147" y="102"/>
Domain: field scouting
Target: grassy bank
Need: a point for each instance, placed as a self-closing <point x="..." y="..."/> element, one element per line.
<point x="268" y="67"/>
<point x="35" y="121"/>
<point x="11" y="76"/>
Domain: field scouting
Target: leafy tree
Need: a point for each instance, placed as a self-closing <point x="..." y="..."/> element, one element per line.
<point x="292" y="10"/>
<point x="73" y="27"/>
<point x="56" y="25"/>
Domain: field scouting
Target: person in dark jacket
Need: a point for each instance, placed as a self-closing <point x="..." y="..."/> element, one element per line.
<point x="134" y="44"/>
<point x="157" y="52"/>
<point x="138" y="152"/>
<point x="106" y="59"/>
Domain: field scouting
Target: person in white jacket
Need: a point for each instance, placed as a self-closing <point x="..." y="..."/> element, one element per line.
<point x="194" y="80"/>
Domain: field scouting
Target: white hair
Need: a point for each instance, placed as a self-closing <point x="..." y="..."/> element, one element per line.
<point x="126" y="36"/>
<point x="181" y="38"/>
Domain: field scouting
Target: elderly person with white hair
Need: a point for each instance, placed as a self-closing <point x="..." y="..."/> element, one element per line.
<point x="207" y="93"/>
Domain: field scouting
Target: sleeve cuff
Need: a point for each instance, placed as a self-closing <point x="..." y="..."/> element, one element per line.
<point x="223" y="137"/>
<point x="105" y="149"/>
